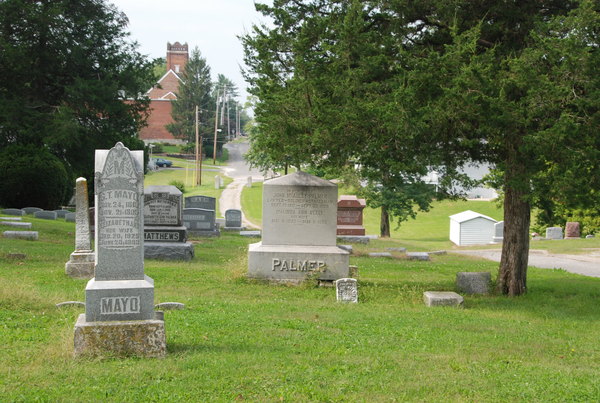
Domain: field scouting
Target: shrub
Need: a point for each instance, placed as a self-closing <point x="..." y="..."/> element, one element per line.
<point x="179" y="185"/>
<point x="32" y="176"/>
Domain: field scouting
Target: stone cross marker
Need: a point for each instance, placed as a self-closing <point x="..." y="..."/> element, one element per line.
<point x="346" y="290"/>
<point x="82" y="262"/>
<point x="120" y="292"/>
<point x="299" y="231"/>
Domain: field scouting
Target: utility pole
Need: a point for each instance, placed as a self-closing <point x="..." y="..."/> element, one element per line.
<point x="216" y="123"/>
<point x="198" y="153"/>
<point x="228" y="121"/>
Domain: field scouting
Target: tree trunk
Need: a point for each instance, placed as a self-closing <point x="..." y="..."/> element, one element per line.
<point x="512" y="275"/>
<point x="384" y="224"/>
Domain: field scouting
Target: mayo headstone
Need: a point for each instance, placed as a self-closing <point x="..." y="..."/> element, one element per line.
<point x="119" y="314"/>
<point x="299" y="231"/>
<point x="82" y="261"/>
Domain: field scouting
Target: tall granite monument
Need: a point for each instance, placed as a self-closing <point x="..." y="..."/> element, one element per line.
<point x="82" y="261"/>
<point x="119" y="316"/>
<point x="299" y="232"/>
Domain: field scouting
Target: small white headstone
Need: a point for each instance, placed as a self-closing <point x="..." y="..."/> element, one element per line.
<point x="249" y="182"/>
<point x="217" y="182"/>
<point x="346" y="290"/>
<point x="554" y="233"/>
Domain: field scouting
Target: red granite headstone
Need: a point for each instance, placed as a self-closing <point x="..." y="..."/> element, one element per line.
<point x="572" y="230"/>
<point x="350" y="215"/>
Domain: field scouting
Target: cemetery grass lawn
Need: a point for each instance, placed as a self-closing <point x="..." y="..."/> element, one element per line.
<point x="239" y="339"/>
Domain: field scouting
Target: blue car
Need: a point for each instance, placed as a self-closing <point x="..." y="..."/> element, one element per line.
<point x="160" y="162"/>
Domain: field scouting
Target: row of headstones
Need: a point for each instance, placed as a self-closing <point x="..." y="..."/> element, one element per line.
<point x="572" y="231"/>
<point x="37" y="212"/>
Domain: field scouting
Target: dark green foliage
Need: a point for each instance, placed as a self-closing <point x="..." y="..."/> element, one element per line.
<point x="194" y="91"/>
<point x="32" y="177"/>
<point x="72" y="82"/>
<point x="179" y="185"/>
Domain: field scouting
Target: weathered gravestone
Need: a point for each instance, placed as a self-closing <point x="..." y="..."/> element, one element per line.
<point x="164" y="235"/>
<point x="346" y="290"/>
<point x="82" y="261"/>
<point x="554" y="233"/>
<point x="350" y="215"/>
<point x="119" y="314"/>
<point x="61" y="213"/>
<point x="474" y="282"/>
<point x="70" y="217"/>
<point x="200" y="222"/>
<point x="31" y="210"/>
<point x="16" y="224"/>
<point x="249" y="182"/>
<point x="45" y="215"/>
<point x="203" y="202"/>
<point x="13" y="211"/>
<point x="498" y="232"/>
<point x="218" y="183"/>
<point x="27" y="235"/>
<point x="572" y="230"/>
<point x="442" y="298"/>
<point x="299" y="231"/>
<point x="233" y="220"/>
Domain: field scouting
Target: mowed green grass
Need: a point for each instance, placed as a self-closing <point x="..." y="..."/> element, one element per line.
<point x="239" y="339"/>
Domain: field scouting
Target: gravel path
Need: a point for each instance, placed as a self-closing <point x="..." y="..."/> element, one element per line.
<point x="239" y="171"/>
<point x="587" y="265"/>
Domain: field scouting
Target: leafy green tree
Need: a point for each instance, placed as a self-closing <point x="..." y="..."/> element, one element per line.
<point x="395" y="89"/>
<point x="72" y="81"/>
<point x="195" y="90"/>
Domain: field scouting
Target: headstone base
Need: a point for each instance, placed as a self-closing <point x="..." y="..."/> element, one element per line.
<point x="294" y="263"/>
<point x="350" y="230"/>
<point x="497" y="239"/>
<point x="119" y="300"/>
<point x="354" y="238"/>
<point x="142" y="338"/>
<point x="233" y="228"/>
<point x="81" y="265"/>
<point x="207" y="233"/>
<point x="168" y="250"/>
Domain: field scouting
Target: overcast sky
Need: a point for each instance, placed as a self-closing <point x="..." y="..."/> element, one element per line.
<point x="211" y="25"/>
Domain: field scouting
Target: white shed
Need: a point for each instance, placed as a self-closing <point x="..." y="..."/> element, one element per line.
<point x="471" y="228"/>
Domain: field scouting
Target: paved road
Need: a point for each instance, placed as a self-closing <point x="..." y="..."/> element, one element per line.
<point x="239" y="171"/>
<point x="588" y="264"/>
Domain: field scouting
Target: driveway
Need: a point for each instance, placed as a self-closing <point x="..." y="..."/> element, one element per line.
<point x="239" y="171"/>
<point x="587" y="265"/>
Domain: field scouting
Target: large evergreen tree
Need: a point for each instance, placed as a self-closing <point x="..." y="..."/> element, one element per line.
<point x="395" y="89"/>
<point x="71" y="80"/>
<point x="195" y="90"/>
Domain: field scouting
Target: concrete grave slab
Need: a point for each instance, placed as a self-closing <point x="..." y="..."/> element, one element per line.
<point x="27" y="235"/>
<point x="442" y="298"/>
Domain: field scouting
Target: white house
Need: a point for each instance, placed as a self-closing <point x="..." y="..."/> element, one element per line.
<point x="471" y="228"/>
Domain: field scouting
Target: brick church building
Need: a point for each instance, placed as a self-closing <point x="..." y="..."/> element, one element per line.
<point x="163" y="94"/>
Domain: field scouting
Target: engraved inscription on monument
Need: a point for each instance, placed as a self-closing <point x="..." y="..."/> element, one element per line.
<point x="161" y="208"/>
<point x="120" y="305"/>
<point x="118" y="219"/>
